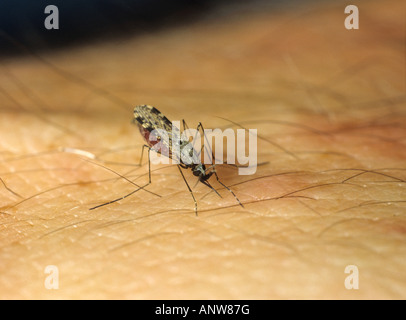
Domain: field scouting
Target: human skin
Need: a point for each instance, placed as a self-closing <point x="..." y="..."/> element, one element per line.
<point x="329" y="107"/>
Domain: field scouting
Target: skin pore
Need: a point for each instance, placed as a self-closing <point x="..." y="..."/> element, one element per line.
<point x="329" y="107"/>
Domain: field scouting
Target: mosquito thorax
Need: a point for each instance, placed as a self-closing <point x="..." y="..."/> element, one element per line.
<point x="199" y="170"/>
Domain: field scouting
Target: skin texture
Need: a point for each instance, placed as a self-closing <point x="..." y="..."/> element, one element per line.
<point x="329" y="107"/>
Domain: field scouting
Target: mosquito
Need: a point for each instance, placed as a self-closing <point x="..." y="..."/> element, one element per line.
<point x="150" y="120"/>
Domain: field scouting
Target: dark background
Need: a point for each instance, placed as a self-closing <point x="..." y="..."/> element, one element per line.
<point x="84" y="21"/>
<point x="89" y="20"/>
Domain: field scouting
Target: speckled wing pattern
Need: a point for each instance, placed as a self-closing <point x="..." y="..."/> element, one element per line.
<point x="151" y="118"/>
<point x="148" y="119"/>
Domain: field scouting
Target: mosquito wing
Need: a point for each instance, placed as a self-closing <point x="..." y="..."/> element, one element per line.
<point x="149" y="119"/>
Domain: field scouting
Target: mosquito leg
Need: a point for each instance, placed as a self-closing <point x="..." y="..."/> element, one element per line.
<point x="207" y="149"/>
<point x="185" y="126"/>
<point x="239" y="202"/>
<point x="134" y="191"/>
<point x="206" y="140"/>
<point x="190" y="190"/>
<point x="199" y="126"/>
<point x="212" y="167"/>
<point x="149" y="162"/>
<point x="142" y="153"/>
<point x="118" y="199"/>
<point x="209" y="185"/>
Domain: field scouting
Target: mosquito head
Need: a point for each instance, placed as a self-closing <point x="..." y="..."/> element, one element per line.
<point x="199" y="170"/>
